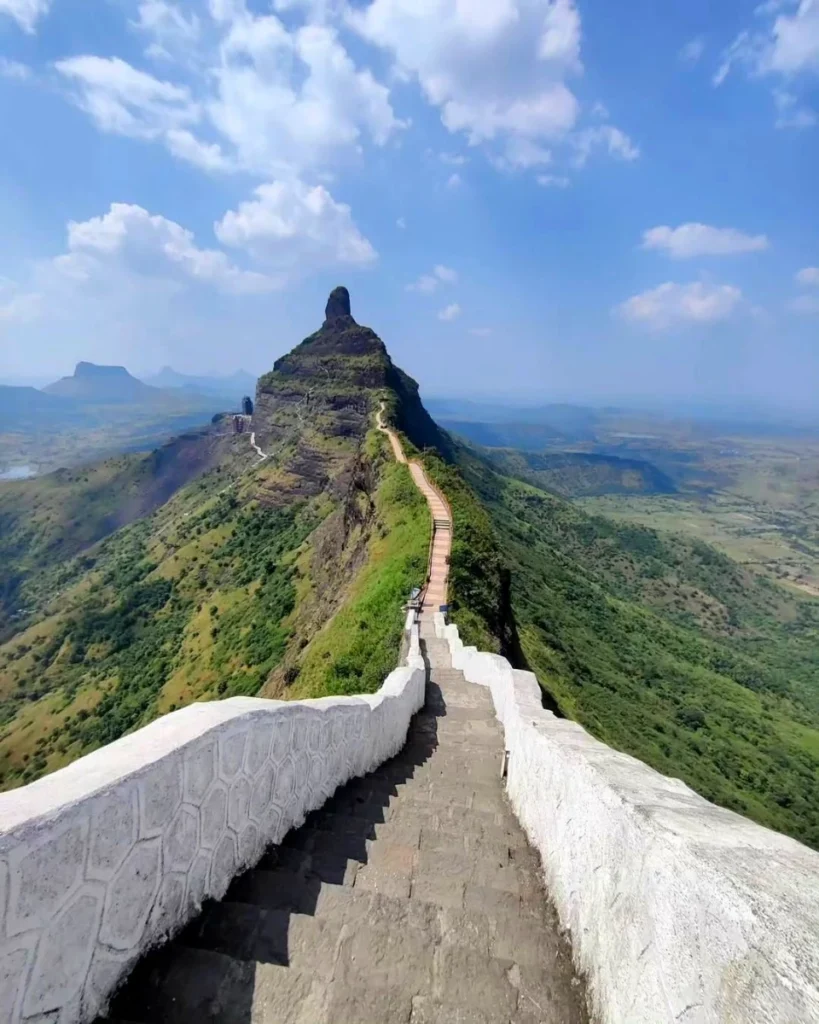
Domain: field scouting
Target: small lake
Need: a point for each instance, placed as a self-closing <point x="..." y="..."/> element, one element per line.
<point x="18" y="473"/>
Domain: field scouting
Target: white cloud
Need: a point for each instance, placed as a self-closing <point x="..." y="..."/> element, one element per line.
<point x="428" y="284"/>
<point x="291" y="226"/>
<point x="454" y="181"/>
<point x="209" y="156"/>
<point x="496" y="70"/>
<point x="136" y="287"/>
<point x="807" y="304"/>
<point x="692" y="51"/>
<point x="129" y="287"/>
<point x="170" y="30"/>
<point x="244" y="91"/>
<point x="480" y="332"/>
<point x="522" y="154"/>
<point x="126" y="101"/>
<point x="450" y="313"/>
<point x="553" y="180"/>
<point x="25" y="12"/>
<point x="605" y="136"/>
<point x="787" y="47"/>
<point x="149" y="245"/>
<point x="14" y="69"/>
<point x="791" y="113"/>
<point x="446" y="274"/>
<point x="808" y="276"/>
<point x="257" y="95"/>
<point x="17" y="305"/>
<point x="691" y="240"/>
<point x="676" y="305"/>
<point x="401" y="223"/>
<point x="794" y="41"/>
<point x="291" y="100"/>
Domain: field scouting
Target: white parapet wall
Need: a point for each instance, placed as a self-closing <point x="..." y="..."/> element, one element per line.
<point x="108" y="857"/>
<point x="678" y="910"/>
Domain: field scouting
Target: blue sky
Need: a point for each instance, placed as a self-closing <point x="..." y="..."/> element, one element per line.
<point x="531" y="198"/>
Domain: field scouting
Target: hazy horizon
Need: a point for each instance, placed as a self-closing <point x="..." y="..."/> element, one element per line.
<point x="680" y="406"/>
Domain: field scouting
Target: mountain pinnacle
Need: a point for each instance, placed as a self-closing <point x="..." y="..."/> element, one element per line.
<point x="338" y="304"/>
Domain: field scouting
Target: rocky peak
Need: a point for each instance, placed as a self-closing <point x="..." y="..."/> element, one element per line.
<point x="85" y="369"/>
<point x="338" y="305"/>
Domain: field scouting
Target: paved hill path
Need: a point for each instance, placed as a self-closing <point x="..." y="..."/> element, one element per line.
<point x="436" y="591"/>
<point x="411" y="897"/>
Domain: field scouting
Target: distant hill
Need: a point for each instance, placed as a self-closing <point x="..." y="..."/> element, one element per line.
<point x="526" y="436"/>
<point x="103" y="385"/>
<point x="97" y="412"/>
<point x="234" y="386"/>
<point x="21" y="408"/>
<point x="578" y="422"/>
<point x="583" y="475"/>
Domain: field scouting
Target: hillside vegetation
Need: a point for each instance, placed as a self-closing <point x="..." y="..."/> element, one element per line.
<point x="660" y="646"/>
<point x="133" y="587"/>
<point x="581" y="474"/>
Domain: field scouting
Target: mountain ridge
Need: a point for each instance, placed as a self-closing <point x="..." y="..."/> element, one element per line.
<point x="284" y="573"/>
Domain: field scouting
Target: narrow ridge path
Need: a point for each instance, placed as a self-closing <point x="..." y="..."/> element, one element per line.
<point x="411" y="897"/>
<point x="435" y="594"/>
<point x="253" y="444"/>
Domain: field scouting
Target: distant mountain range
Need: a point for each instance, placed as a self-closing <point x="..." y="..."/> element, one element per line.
<point x="88" y="395"/>
<point x="236" y="385"/>
<point x="98" y="410"/>
<point x="23" y="407"/>
<point x="103" y="385"/>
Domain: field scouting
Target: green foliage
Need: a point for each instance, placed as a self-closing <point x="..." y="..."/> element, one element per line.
<point x="575" y="474"/>
<point x="717" y="689"/>
<point x="126" y="638"/>
<point x="359" y="647"/>
<point x="475" y="572"/>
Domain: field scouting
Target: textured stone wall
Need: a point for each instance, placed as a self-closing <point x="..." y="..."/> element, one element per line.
<point x="109" y="856"/>
<point x="678" y="910"/>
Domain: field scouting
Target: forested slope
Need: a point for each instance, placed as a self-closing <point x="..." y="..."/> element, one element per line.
<point x="134" y="587"/>
<point x="660" y="646"/>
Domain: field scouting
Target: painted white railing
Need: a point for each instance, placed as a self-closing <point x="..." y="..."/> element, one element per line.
<point x="106" y="858"/>
<point x="679" y="911"/>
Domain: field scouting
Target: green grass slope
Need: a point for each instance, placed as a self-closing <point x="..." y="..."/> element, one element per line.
<point x="660" y="646"/>
<point x="133" y="587"/>
<point x="580" y="474"/>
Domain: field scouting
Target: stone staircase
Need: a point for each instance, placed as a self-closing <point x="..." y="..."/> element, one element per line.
<point x="411" y="897"/>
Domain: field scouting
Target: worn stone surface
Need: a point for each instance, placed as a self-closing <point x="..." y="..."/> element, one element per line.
<point x="678" y="910"/>
<point x="410" y="896"/>
<point x="101" y="861"/>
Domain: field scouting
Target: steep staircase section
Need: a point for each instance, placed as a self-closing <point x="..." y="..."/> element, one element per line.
<point x="435" y="592"/>
<point x="411" y="896"/>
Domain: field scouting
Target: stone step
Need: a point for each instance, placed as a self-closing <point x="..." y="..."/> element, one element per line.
<point x="178" y="985"/>
<point x="252" y="933"/>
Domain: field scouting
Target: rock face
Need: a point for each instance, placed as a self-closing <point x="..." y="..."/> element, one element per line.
<point x="321" y="397"/>
<point x="338" y="305"/>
